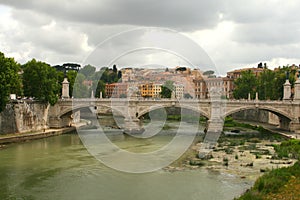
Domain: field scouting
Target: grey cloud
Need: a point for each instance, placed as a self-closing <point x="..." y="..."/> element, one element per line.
<point x="180" y="15"/>
<point x="256" y="11"/>
<point x="30" y="18"/>
<point x="271" y="33"/>
<point x="155" y="43"/>
<point x="263" y="29"/>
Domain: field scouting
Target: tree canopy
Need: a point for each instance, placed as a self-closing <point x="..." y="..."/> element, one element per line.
<point x="167" y="89"/>
<point x="244" y="85"/>
<point x="40" y="81"/>
<point x="10" y="82"/>
<point x="268" y="84"/>
<point x="209" y="72"/>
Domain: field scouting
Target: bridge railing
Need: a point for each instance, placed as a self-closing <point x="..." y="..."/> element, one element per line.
<point x="168" y="100"/>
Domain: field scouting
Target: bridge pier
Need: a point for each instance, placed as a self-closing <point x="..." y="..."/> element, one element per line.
<point x="60" y="122"/>
<point x="132" y="126"/>
<point x="295" y="126"/>
<point x="284" y="123"/>
<point x="215" y="125"/>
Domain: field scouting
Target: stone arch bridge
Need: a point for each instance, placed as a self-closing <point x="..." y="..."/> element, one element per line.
<point x="215" y="111"/>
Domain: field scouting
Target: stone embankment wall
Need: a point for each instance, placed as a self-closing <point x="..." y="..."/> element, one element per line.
<point x="257" y="116"/>
<point x="23" y="116"/>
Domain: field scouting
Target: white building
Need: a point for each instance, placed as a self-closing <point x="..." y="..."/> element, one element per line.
<point x="156" y="90"/>
<point x="179" y="89"/>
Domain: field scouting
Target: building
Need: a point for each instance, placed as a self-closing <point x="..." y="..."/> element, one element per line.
<point x="156" y="90"/>
<point x="150" y="90"/>
<point x="146" y="90"/>
<point x="228" y="86"/>
<point x="205" y="86"/>
<point x="179" y="90"/>
<point x="116" y="90"/>
<point x="237" y="73"/>
<point x="127" y="75"/>
<point x="200" y="88"/>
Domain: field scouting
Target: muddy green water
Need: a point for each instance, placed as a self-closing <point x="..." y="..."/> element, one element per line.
<point x="61" y="168"/>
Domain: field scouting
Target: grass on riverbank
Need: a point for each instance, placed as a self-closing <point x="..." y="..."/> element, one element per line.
<point x="276" y="183"/>
<point x="262" y="134"/>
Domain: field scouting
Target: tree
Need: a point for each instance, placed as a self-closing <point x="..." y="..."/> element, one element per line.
<point x="100" y="87"/>
<point x="79" y="89"/>
<point x="123" y="96"/>
<point x="87" y="71"/>
<point x="209" y="72"/>
<point x="10" y="82"/>
<point x="119" y="75"/>
<point x="265" y="87"/>
<point x="167" y="89"/>
<point x="71" y="75"/>
<point x="187" y="96"/>
<point x="40" y="81"/>
<point x="280" y="78"/>
<point x="244" y="85"/>
<point x="115" y="70"/>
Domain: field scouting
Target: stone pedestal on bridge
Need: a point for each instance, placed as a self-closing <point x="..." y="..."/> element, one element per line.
<point x="287" y="90"/>
<point x="297" y="90"/>
<point x="65" y="89"/>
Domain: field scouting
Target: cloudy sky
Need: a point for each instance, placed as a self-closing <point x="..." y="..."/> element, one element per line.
<point x="233" y="33"/>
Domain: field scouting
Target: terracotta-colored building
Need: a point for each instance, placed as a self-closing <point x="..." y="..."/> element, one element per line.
<point x="116" y="90"/>
<point x="237" y="73"/>
<point x="204" y="86"/>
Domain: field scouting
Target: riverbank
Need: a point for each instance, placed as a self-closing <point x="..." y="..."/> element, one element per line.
<point x="280" y="183"/>
<point x="245" y="151"/>
<point x="263" y="156"/>
<point x="27" y="136"/>
<point x="273" y="128"/>
<point x="23" y="137"/>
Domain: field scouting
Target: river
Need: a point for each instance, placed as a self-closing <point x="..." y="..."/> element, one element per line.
<point x="61" y="168"/>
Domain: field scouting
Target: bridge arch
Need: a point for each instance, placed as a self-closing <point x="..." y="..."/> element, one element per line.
<point x="148" y="109"/>
<point x="78" y="107"/>
<point x="278" y="112"/>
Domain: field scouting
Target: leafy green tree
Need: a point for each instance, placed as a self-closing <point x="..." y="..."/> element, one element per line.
<point x="247" y="83"/>
<point x="100" y="87"/>
<point x="88" y="71"/>
<point x="115" y="70"/>
<point x="40" y="81"/>
<point x="280" y="78"/>
<point x="209" y="72"/>
<point x="123" y="96"/>
<point x="71" y="75"/>
<point x="96" y="76"/>
<point x="119" y="74"/>
<point x="166" y="89"/>
<point x="187" y="96"/>
<point x="10" y="82"/>
<point x="79" y="89"/>
<point x="265" y="86"/>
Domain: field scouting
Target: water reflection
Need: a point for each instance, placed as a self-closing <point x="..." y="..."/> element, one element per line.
<point x="61" y="168"/>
